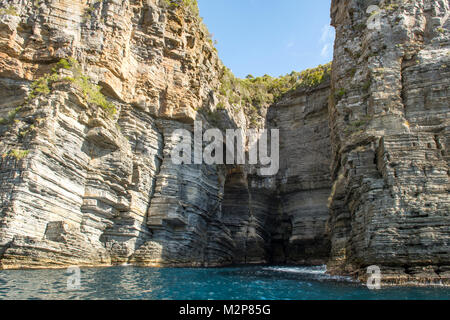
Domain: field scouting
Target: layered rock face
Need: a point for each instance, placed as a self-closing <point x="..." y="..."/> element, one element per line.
<point x="282" y="219"/>
<point x="389" y="120"/>
<point x="83" y="186"/>
<point x="86" y="177"/>
<point x="77" y="183"/>
<point x="303" y="182"/>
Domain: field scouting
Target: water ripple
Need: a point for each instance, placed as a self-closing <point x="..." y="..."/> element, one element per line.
<point x="247" y="283"/>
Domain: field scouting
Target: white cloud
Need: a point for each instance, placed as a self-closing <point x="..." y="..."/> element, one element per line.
<point x="327" y="41"/>
<point x="326" y="51"/>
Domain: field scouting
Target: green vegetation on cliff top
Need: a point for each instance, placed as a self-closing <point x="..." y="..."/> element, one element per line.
<point x="267" y="89"/>
<point x="252" y="93"/>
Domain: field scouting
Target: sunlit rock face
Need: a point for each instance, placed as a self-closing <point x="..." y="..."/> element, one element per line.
<point x="141" y="52"/>
<point x="389" y="122"/>
<point x="83" y="186"/>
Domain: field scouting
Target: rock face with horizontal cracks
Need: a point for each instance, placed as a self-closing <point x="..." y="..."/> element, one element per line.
<point x="389" y="119"/>
<point x="79" y="186"/>
<point x="282" y="219"/>
<point x="303" y="182"/>
<point x="95" y="189"/>
<point x="84" y="188"/>
<point x="82" y="191"/>
<point x="185" y="213"/>
<point x="140" y="52"/>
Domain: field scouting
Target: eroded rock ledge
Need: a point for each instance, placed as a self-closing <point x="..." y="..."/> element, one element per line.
<point x="389" y="120"/>
<point x="84" y="186"/>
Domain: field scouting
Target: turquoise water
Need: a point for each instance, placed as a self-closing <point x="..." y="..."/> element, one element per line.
<point x="247" y="283"/>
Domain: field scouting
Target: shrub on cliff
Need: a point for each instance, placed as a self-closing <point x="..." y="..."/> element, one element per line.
<point x="9" y="11"/>
<point x="252" y="93"/>
<point x="10" y="117"/>
<point x="17" y="154"/>
<point x="90" y="91"/>
<point x="190" y="5"/>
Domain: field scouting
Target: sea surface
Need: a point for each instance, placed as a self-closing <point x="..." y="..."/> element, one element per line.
<point x="240" y="283"/>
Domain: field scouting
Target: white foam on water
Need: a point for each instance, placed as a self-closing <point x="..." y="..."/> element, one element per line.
<point x="303" y="270"/>
<point x="318" y="272"/>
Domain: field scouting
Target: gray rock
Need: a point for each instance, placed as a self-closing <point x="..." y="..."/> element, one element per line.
<point x="389" y="120"/>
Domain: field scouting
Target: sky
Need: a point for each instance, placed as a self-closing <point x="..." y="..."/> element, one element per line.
<point x="261" y="37"/>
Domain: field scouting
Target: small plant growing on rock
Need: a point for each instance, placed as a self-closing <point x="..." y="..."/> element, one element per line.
<point x="10" y="117"/>
<point x="358" y="125"/>
<point x="9" y="11"/>
<point x="18" y="154"/>
<point x="339" y="94"/>
<point x="23" y="133"/>
<point x="65" y="64"/>
<point x="88" y="14"/>
<point x="91" y="92"/>
<point x="220" y="106"/>
<point x="391" y="7"/>
<point x="42" y="85"/>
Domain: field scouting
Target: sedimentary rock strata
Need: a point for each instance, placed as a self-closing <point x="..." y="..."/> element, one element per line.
<point x="303" y="182"/>
<point x="71" y="168"/>
<point x="86" y="175"/>
<point x="389" y="120"/>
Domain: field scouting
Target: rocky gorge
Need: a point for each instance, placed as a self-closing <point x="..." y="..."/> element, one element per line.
<point x="91" y="92"/>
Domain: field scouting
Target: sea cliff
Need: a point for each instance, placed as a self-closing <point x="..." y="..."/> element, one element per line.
<point x="91" y="92"/>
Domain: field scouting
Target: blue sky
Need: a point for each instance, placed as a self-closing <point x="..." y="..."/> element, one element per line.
<point x="270" y="37"/>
